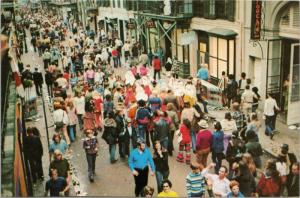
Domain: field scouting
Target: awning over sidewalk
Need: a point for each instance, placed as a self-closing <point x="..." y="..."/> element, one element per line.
<point x="221" y="32"/>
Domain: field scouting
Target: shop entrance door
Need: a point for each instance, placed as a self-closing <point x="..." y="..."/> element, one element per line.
<point x="294" y="88"/>
<point x="274" y="69"/>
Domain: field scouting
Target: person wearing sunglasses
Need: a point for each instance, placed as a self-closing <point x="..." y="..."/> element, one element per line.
<point x="167" y="192"/>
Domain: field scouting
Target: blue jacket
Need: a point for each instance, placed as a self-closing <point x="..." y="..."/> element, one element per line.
<point x="142" y="116"/>
<point x="154" y="103"/>
<point x="140" y="160"/>
<point x="231" y="195"/>
<point x="217" y="143"/>
<point x="203" y="74"/>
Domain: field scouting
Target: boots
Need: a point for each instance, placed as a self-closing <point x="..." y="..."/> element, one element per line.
<point x="180" y="157"/>
<point x="188" y="159"/>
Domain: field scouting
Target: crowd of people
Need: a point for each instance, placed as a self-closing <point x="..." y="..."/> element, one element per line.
<point x="146" y="117"/>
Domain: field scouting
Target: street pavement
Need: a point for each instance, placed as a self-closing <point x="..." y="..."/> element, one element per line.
<point x="116" y="179"/>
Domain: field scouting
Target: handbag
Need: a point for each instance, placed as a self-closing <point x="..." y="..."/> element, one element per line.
<point x="59" y="125"/>
<point x="179" y="138"/>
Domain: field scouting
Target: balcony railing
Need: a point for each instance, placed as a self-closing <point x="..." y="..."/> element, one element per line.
<point x="178" y="7"/>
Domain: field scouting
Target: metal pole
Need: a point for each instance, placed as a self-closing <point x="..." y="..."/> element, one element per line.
<point x="46" y="123"/>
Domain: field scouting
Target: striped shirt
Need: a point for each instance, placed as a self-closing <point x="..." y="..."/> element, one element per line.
<point x="195" y="183"/>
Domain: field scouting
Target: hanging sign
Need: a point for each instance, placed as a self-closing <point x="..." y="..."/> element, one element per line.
<point x="256" y="20"/>
<point x="187" y="38"/>
<point x="130" y="26"/>
<point x="150" y="24"/>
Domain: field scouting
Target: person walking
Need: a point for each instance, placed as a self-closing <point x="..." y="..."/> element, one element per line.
<point x="56" y="185"/>
<point x="254" y="148"/>
<point x="270" y="109"/>
<point x="156" y="64"/>
<point x="247" y="100"/>
<point x="46" y="58"/>
<point x="63" y="168"/>
<point x="228" y="126"/>
<point x="71" y="111"/>
<point x="160" y="158"/>
<point x="79" y="103"/>
<point x="185" y="143"/>
<point x="49" y="82"/>
<point x="203" y="143"/>
<point x="61" y="121"/>
<point x="138" y="161"/>
<point x="91" y="146"/>
<point x="38" y="81"/>
<point x="110" y="135"/>
<point x="33" y="150"/>
<point x="217" y="146"/>
<point x="223" y="86"/>
<point x="232" y="90"/>
<point x="57" y="144"/>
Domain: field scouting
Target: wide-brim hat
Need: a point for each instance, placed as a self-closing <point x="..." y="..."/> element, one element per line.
<point x="203" y="124"/>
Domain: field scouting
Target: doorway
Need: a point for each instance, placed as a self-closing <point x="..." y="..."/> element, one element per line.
<point x="168" y="47"/>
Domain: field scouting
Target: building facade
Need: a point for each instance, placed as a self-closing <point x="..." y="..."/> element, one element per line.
<point x="272" y="62"/>
<point x="218" y="33"/>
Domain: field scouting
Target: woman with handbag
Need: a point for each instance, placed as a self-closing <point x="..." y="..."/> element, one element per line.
<point x="61" y="121"/>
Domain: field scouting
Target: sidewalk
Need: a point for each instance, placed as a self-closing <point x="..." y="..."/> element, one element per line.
<point x="285" y="135"/>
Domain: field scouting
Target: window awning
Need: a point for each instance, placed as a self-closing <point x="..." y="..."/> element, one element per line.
<point x="221" y="32"/>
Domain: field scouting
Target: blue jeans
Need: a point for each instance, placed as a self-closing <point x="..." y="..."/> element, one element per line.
<point x="91" y="160"/>
<point x="112" y="152"/>
<point x="80" y="121"/>
<point x="160" y="177"/>
<point x="217" y="159"/>
<point x="141" y="132"/>
<point x="164" y="142"/>
<point x="193" y="136"/>
<point x="71" y="131"/>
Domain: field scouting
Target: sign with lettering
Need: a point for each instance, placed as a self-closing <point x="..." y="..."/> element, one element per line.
<point x="256" y="20"/>
<point x="130" y="26"/>
<point x="150" y="24"/>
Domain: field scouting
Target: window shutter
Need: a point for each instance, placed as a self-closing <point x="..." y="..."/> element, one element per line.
<point x="230" y="10"/>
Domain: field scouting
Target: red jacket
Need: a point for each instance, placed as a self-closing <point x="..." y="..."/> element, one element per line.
<point x="268" y="187"/>
<point x="186" y="137"/>
<point x="203" y="139"/>
<point x="114" y="53"/>
<point x="156" y="64"/>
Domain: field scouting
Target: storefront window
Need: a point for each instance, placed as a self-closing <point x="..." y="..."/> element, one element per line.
<point x="221" y="56"/>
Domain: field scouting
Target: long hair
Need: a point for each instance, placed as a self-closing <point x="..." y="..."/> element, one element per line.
<point x="187" y="123"/>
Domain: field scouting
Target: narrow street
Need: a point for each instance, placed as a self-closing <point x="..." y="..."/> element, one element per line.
<point x="222" y="77"/>
<point x="116" y="179"/>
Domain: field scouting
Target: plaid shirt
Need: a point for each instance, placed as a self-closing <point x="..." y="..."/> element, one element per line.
<point x="90" y="145"/>
<point x="239" y="119"/>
